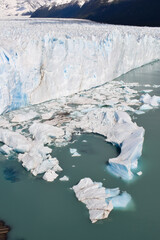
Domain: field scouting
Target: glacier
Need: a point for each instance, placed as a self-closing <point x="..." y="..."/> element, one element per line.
<point x="42" y="60"/>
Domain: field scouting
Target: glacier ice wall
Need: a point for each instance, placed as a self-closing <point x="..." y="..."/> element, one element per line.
<point x="45" y="59"/>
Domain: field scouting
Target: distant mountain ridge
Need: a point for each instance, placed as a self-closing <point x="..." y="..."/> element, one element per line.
<point x="123" y="12"/>
<point x="27" y="7"/>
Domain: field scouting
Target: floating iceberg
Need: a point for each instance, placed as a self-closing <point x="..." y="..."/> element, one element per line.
<point x="145" y="107"/>
<point x="139" y="173"/>
<point x="131" y="150"/>
<point x="50" y="176"/>
<point x="38" y="160"/>
<point x="99" y="200"/>
<point x="14" y="140"/>
<point x="119" y="129"/>
<point x="74" y="152"/>
<point x="5" y="149"/>
<point x="149" y="101"/>
<point x="64" y="179"/>
<point x="35" y="157"/>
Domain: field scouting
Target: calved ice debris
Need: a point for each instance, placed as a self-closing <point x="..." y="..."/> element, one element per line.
<point x="105" y="110"/>
<point x="99" y="200"/>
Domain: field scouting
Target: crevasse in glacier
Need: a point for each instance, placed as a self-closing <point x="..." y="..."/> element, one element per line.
<point x="45" y="59"/>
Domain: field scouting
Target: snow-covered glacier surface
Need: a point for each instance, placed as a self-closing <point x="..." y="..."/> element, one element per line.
<point x="44" y="59"/>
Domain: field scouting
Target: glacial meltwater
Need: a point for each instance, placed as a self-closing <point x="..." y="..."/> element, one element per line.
<point x="38" y="210"/>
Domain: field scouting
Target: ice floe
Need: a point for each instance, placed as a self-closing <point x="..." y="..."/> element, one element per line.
<point x="139" y="173"/>
<point x="145" y="107"/>
<point x="119" y="129"/>
<point x="74" y="152"/>
<point x="153" y="101"/>
<point x="43" y="132"/>
<point x="50" y="175"/>
<point x="24" y="117"/>
<point x="99" y="200"/>
<point x="14" y="140"/>
<point x="5" y="149"/>
<point x="64" y="179"/>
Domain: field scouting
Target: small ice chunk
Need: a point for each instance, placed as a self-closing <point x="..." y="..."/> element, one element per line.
<point x="156" y="86"/>
<point x="129" y="90"/>
<point x="42" y="132"/>
<point x="145" y="98"/>
<point x="44" y="166"/>
<point x="138" y="112"/>
<point x="84" y="141"/>
<point x="145" y="107"/>
<point x="14" y="140"/>
<point x="147" y="90"/>
<point x="50" y="176"/>
<point x="139" y="173"/>
<point x="64" y="178"/>
<point x="47" y="115"/>
<point x="5" y="149"/>
<point x="155" y="101"/>
<point x="23" y="117"/>
<point x="74" y="152"/>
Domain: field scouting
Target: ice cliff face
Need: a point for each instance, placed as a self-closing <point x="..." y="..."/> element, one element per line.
<point x="45" y="59"/>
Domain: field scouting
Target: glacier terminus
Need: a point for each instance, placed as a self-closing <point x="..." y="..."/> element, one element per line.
<point x="42" y="60"/>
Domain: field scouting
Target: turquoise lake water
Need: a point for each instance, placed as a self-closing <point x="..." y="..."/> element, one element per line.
<point x="37" y="210"/>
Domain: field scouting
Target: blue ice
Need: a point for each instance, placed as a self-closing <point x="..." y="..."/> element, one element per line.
<point x="121" y="201"/>
<point x="19" y="99"/>
<point x="112" y="192"/>
<point x="119" y="170"/>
